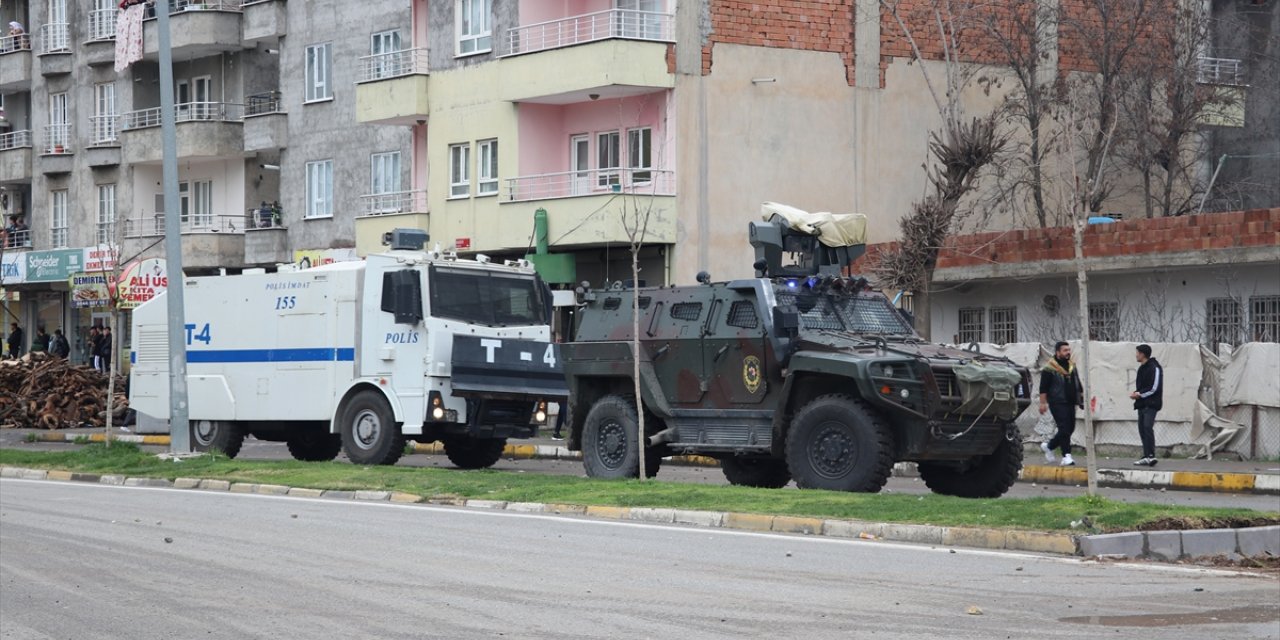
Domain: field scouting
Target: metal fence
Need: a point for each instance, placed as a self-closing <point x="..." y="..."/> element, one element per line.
<point x="379" y="204"/>
<point x="55" y="37"/>
<point x="262" y="103"/>
<point x="590" y="27"/>
<point x="185" y="112"/>
<point x="259" y="218"/>
<point x="57" y="140"/>
<point x="9" y="44"/>
<point x="569" y="184"/>
<point x="395" y="64"/>
<point x="15" y="139"/>
<point x="17" y="239"/>
<point x="1219" y="71"/>
<point x="104" y="129"/>
<point x="102" y="24"/>
<point x="178" y="6"/>
<point x="153" y="225"/>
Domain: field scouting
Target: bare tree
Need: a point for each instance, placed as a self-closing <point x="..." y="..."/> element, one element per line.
<point x="635" y="218"/>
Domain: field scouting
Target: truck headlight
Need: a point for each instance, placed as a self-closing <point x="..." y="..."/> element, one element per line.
<point x="540" y="416"/>
<point x="438" y="413"/>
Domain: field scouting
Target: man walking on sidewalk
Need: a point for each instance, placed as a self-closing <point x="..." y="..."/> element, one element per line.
<point x="1148" y="400"/>
<point x="1060" y="394"/>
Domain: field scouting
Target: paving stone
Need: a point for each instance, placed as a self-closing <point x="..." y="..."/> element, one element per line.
<point x="792" y="524"/>
<point x="373" y="495"/>
<point x="59" y="475"/>
<point x="340" y="495"/>
<point x="405" y="498"/>
<point x="299" y="492"/>
<point x="487" y="504"/>
<point x="11" y="472"/>
<point x="526" y="507"/>
<point x="851" y="529"/>
<point x="273" y="490"/>
<point x="645" y="514"/>
<point x="918" y="533"/>
<point x="186" y="483"/>
<point x="1259" y="541"/>
<point x="699" y="518"/>
<point x="1164" y="545"/>
<point x="748" y="521"/>
<point x="34" y="474"/>
<point x="244" y="487"/>
<point x="1209" y="542"/>
<point x="1128" y="545"/>
<point x="215" y="485"/>
<point x="147" y="482"/>
<point x="111" y="479"/>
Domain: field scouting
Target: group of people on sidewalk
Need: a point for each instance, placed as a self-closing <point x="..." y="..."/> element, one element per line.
<point x="1062" y="393"/>
<point x="98" y="347"/>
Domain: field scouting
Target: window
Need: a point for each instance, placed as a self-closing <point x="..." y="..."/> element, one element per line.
<point x="317" y="72"/>
<point x="384" y="65"/>
<point x="104" y="113"/>
<point x="459" y="170"/>
<point x="1223" y="321"/>
<point x="384" y="172"/>
<point x="971" y="327"/>
<point x="320" y="189"/>
<point x="742" y="314"/>
<point x="1104" y="321"/>
<point x="1264" y="318"/>
<point x="58" y="218"/>
<point x="1004" y="325"/>
<point x="106" y="213"/>
<point x="686" y="311"/>
<point x="640" y="154"/>
<point x="201" y="204"/>
<point x="474" y="27"/>
<point x="487" y="298"/>
<point x="487" y="167"/>
<point x="607" y="156"/>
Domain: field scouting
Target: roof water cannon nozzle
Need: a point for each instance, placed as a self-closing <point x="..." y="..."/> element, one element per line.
<point x="406" y="239"/>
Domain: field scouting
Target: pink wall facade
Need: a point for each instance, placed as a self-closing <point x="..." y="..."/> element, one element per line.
<point x="535" y="11"/>
<point x="545" y="130"/>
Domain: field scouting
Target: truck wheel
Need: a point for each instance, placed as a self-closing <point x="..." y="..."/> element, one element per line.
<point x="837" y="443"/>
<point x="217" y="435"/>
<point x="474" y="453"/>
<point x="314" y="445"/>
<point x="766" y="473"/>
<point x="370" y="434"/>
<point x="610" y="444"/>
<point x="988" y="476"/>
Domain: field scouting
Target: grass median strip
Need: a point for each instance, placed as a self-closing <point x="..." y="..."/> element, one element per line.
<point x="1045" y="514"/>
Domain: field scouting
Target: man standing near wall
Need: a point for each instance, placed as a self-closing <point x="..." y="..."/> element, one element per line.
<point x="1060" y="394"/>
<point x="1148" y="399"/>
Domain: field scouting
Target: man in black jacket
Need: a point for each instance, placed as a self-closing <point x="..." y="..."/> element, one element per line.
<point x="1060" y="394"/>
<point x="1148" y="399"/>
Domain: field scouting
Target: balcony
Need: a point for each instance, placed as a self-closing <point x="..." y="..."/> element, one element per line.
<point x="100" y="47"/>
<point x="19" y="240"/>
<point x="383" y="212"/>
<point x="1226" y="71"/>
<point x="611" y="68"/>
<point x="15" y="157"/>
<point x="104" y="141"/>
<point x="1224" y="77"/>
<point x="265" y="21"/>
<point x="266" y="127"/>
<point x="197" y="29"/>
<point x="54" y="49"/>
<point x="392" y="88"/>
<point x="56" y="148"/>
<point x="591" y="27"/>
<point x="266" y="241"/>
<point x="15" y="64"/>
<point x="204" y="130"/>
<point x="208" y="241"/>
<point x="573" y="198"/>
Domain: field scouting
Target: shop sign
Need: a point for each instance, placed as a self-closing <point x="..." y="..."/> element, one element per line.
<point x="307" y="258"/>
<point x="89" y="290"/>
<point x="101" y="258"/>
<point x="141" y="280"/>
<point x="13" y="268"/>
<point x="54" y="266"/>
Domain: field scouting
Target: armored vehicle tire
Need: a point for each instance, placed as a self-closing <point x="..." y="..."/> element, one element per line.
<point x="988" y="476"/>
<point x="217" y="435"/>
<point x="766" y="473"/>
<point x="314" y="445"/>
<point x="474" y="453"/>
<point x="835" y="442"/>
<point x="370" y="434"/>
<point x="610" y="444"/>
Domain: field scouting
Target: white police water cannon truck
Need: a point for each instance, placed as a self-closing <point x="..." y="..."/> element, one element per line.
<point x="360" y="356"/>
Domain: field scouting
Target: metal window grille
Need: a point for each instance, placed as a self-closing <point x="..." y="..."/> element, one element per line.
<point x="686" y="311"/>
<point x="1104" y="321"/>
<point x="1004" y="325"/>
<point x="971" y="325"/>
<point x="742" y="314"/>
<point x="1223" y="321"/>
<point x="1264" y="318"/>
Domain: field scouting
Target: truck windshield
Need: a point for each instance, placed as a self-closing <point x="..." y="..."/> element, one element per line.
<point x="486" y="297"/>
<point x="864" y="314"/>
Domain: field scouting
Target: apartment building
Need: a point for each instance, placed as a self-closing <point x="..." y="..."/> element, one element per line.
<point x="265" y="111"/>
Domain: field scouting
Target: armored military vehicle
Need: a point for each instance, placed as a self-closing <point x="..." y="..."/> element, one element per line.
<point x="800" y="373"/>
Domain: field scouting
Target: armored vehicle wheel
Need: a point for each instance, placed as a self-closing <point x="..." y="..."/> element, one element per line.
<point x="766" y="473"/>
<point x="610" y="444"/>
<point x="474" y="453"/>
<point x="370" y="434"/>
<point x="837" y="443"/>
<point x="314" y="445"/>
<point x="216" y="435"/>
<point x="988" y="476"/>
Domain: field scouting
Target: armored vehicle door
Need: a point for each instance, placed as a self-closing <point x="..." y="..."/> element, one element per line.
<point x="733" y="351"/>
<point x="672" y="335"/>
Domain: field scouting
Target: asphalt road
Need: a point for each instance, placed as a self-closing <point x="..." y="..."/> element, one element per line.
<point x="92" y="561"/>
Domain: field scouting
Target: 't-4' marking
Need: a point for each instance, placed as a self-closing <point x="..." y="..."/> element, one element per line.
<point x="202" y="336"/>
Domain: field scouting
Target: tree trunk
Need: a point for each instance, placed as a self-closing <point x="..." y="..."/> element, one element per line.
<point x="1082" y="278"/>
<point x="635" y="349"/>
<point x="920" y="307"/>
<point x="1037" y="175"/>
<point x="1146" y="192"/>
<point x="111" y="376"/>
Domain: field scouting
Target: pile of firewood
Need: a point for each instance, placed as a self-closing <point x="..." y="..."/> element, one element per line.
<point x="40" y="391"/>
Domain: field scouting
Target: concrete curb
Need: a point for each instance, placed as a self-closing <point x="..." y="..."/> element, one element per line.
<point x="1261" y="483"/>
<point x="1033" y="541"/>
<point x="1171" y="546"/>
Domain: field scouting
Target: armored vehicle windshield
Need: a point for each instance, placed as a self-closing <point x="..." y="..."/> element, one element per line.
<point x="855" y="313"/>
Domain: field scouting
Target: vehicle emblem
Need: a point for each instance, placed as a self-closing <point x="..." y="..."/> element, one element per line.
<point x="751" y="375"/>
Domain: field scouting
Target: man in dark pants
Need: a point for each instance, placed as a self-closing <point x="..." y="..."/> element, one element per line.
<point x="1148" y="400"/>
<point x="1060" y="394"/>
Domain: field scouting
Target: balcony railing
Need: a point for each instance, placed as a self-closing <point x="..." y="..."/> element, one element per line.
<point x="17" y="239"/>
<point x="1219" y="71"/>
<point x="379" y="204"/>
<point x="15" y="140"/>
<point x="57" y="140"/>
<point x="102" y="24"/>
<point x="55" y="37"/>
<point x="590" y="27"/>
<point x="396" y="64"/>
<point x="104" y="129"/>
<point x="153" y="225"/>
<point x="259" y="218"/>
<point x="263" y="103"/>
<point x="10" y="44"/>
<point x="185" y="112"/>
<point x="572" y="184"/>
<point x="178" y="6"/>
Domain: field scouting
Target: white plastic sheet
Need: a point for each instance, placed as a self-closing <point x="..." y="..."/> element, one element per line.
<point x="1252" y="376"/>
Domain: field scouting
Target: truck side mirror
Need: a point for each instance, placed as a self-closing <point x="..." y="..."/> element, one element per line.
<point x="785" y="322"/>
<point x="402" y="296"/>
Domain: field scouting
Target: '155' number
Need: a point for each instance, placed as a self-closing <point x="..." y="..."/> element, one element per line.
<point x="286" y="302"/>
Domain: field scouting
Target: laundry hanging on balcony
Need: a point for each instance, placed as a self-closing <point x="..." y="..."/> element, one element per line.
<point x="129" y="36"/>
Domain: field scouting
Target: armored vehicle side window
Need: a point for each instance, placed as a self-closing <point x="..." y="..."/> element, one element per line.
<point x="820" y="317"/>
<point x="742" y="314"/>
<point x="686" y="311"/>
<point x="612" y="304"/>
<point x="485" y="297"/>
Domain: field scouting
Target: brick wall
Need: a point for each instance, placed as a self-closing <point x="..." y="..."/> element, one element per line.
<point x="1240" y="229"/>
<point x="815" y="25"/>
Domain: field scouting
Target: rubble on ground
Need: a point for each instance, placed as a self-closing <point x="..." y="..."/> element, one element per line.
<point x="39" y="391"/>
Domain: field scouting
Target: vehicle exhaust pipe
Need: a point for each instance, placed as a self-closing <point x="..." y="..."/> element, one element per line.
<point x="662" y="437"/>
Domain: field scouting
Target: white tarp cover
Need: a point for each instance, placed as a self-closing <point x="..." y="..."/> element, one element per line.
<point x="1113" y="372"/>
<point x="832" y="229"/>
<point x="1252" y="376"/>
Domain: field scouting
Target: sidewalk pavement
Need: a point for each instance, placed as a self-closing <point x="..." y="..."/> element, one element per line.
<point x="1229" y="476"/>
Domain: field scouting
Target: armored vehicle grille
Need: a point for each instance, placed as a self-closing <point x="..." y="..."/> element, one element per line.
<point x="153" y="345"/>
<point x="743" y="315"/>
<point x="686" y="311"/>
<point x="947" y="386"/>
